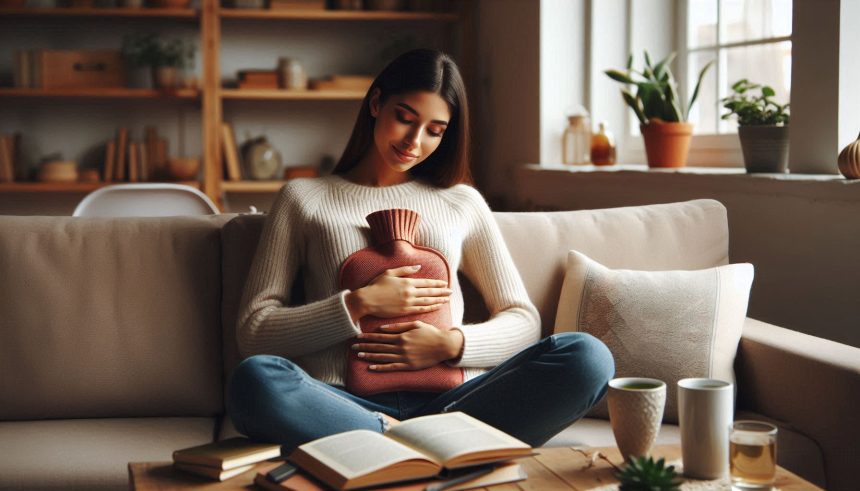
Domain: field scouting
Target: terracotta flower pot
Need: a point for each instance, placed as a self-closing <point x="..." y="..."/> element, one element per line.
<point x="667" y="144"/>
<point x="765" y="148"/>
<point x="166" y="77"/>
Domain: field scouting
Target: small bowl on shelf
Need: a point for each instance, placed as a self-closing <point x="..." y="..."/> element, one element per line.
<point x="58" y="171"/>
<point x="183" y="168"/>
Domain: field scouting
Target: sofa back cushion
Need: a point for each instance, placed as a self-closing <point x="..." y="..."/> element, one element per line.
<point x="107" y="317"/>
<point x="677" y="236"/>
<point x="691" y="235"/>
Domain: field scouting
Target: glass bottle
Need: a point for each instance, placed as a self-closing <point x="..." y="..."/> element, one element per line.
<point x="603" y="146"/>
<point x="576" y="140"/>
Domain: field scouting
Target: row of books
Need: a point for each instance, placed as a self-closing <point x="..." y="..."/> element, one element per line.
<point x="453" y="449"/>
<point x="127" y="159"/>
<point x="9" y="156"/>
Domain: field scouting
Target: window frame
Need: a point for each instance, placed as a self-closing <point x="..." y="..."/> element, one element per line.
<point x="706" y="149"/>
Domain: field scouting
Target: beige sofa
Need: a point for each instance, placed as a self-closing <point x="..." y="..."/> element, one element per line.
<point x="116" y="335"/>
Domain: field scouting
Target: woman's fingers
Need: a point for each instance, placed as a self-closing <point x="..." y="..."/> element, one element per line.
<point x="376" y="348"/>
<point x="381" y="357"/>
<point x="433" y="292"/>
<point x="428" y="283"/>
<point x="403" y="270"/>
<point x="429" y="300"/>
<point x="390" y="367"/>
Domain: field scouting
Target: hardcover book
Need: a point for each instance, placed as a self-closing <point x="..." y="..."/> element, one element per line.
<point x="227" y="454"/>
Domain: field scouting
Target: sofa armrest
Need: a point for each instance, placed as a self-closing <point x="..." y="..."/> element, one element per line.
<point x="810" y="384"/>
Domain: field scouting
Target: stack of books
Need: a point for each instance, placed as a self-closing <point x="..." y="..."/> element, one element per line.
<point x="225" y="459"/>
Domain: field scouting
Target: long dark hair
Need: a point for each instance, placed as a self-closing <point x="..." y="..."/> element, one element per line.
<point x="429" y="71"/>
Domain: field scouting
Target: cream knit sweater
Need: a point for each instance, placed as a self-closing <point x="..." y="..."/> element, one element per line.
<point x="315" y="224"/>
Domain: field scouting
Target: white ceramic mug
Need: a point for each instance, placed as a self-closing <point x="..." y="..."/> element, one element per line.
<point x="705" y="409"/>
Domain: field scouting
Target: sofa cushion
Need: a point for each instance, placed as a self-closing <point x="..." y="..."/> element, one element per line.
<point x="106" y="317"/>
<point x="90" y="454"/>
<point x="667" y="325"/>
<point x="690" y="235"/>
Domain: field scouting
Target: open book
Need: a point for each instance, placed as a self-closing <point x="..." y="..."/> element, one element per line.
<point x="414" y="449"/>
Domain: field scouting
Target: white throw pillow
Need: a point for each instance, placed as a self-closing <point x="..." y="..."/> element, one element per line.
<point x="667" y="325"/>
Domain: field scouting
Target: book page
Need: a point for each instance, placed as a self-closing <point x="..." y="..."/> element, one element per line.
<point x="359" y="452"/>
<point x="446" y="436"/>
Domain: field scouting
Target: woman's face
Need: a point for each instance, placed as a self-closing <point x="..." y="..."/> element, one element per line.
<point x="409" y="127"/>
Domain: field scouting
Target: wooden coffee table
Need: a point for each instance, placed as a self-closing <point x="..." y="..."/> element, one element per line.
<point x="559" y="468"/>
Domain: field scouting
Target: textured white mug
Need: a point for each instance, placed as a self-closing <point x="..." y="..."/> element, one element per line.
<point x="635" y="412"/>
<point x="705" y="410"/>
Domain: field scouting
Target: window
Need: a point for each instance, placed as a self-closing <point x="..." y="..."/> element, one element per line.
<point x="746" y="39"/>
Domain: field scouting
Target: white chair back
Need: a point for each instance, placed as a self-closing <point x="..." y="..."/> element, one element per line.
<point x="145" y="200"/>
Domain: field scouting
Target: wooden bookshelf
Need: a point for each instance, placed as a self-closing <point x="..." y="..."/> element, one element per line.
<point x="252" y="186"/>
<point x="211" y="97"/>
<point x="66" y="187"/>
<point x="111" y="92"/>
<point x="99" y="12"/>
<point x="296" y="95"/>
<point x="338" y="15"/>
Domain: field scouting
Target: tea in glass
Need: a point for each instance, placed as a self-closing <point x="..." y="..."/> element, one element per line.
<point x="752" y="455"/>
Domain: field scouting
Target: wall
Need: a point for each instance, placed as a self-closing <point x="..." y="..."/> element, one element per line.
<point x="507" y="121"/>
<point x="801" y="233"/>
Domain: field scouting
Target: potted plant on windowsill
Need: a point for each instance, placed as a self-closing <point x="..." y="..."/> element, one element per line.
<point x="662" y="117"/>
<point x="762" y="126"/>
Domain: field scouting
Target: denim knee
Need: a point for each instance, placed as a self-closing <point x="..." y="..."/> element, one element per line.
<point x="586" y="356"/>
<point x="249" y="387"/>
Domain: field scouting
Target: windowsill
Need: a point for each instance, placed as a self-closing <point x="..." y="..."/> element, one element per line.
<point x="713" y="171"/>
<point x="555" y="186"/>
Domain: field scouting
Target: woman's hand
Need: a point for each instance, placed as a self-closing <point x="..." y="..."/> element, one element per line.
<point x="391" y="295"/>
<point x="408" y="346"/>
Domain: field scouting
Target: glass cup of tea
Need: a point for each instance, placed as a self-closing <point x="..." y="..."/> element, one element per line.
<point x="752" y="455"/>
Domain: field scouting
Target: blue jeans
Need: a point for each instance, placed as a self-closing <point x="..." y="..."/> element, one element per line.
<point x="533" y="395"/>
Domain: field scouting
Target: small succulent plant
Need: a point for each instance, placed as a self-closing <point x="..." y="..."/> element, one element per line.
<point x="644" y="474"/>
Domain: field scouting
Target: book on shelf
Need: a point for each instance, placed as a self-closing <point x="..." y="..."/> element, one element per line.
<point x="507" y="472"/>
<point x="227" y="454"/>
<point x="417" y="448"/>
<point x="110" y="158"/>
<point x="133" y="165"/>
<point x="121" y="150"/>
<point x="230" y="153"/>
<point x="7" y="158"/>
<point x="213" y="472"/>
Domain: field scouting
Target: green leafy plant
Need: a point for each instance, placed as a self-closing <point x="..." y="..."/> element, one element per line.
<point x="644" y="474"/>
<point x="148" y="50"/>
<point x="656" y="94"/>
<point x="175" y="53"/>
<point x="751" y="109"/>
<point x="140" y="49"/>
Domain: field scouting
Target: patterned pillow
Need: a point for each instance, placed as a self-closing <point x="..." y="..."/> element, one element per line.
<point x="667" y="325"/>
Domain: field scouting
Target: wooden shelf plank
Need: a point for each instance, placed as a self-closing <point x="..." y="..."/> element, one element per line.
<point x="297" y="95"/>
<point x="65" y="187"/>
<point x="358" y="15"/>
<point x="112" y="92"/>
<point x="98" y="12"/>
<point x="252" y="186"/>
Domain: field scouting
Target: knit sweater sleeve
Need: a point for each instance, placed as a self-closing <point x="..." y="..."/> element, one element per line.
<point x="266" y="325"/>
<point x="514" y="321"/>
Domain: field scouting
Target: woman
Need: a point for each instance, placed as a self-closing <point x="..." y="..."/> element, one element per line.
<point x="409" y="149"/>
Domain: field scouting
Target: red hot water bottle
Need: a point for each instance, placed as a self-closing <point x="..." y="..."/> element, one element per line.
<point x="394" y="233"/>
